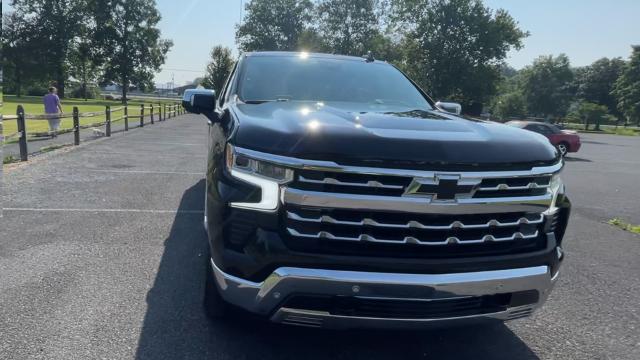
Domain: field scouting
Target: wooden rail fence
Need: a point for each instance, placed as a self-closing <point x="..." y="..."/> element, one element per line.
<point x="112" y="115"/>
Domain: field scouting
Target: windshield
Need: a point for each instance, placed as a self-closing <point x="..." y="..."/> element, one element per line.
<point x="271" y="78"/>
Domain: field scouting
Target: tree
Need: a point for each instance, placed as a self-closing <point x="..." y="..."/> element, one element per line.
<point x="546" y="85"/>
<point x="273" y="24"/>
<point x="197" y="81"/>
<point x="627" y="87"/>
<point x="510" y="105"/>
<point x="383" y="47"/>
<point x="88" y="53"/>
<point x="507" y="71"/>
<point x="589" y="113"/>
<point x="84" y="65"/>
<point x="21" y="54"/>
<point x="128" y="34"/>
<point x="348" y="27"/>
<point x="218" y="68"/>
<point x="596" y="82"/>
<point x="454" y="48"/>
<point x="59" y="22"/>
<point x="509" y="102"/>
<point x="310" y="40"/>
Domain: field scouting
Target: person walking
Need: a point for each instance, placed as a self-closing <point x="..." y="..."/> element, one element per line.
<point x="53" y="108"/>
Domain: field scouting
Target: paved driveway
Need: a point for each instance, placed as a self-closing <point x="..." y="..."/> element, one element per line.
<point x="101" y="258"/>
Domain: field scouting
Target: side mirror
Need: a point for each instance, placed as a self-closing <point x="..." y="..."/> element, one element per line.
<point x="450" y="107"/>
<point x="199" y="101"/>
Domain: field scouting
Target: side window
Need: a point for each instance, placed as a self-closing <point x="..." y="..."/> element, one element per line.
<point x="533" y="127"/>
<point x="539" y="128"/>
<point x="223" y="97"/>
<point x="554" y="129"/>
<point x="546" y="130"/>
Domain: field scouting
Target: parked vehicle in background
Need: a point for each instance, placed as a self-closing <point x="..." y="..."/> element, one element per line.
<point x="565" y="141"/>
<point x="112" y="97"/>
<point x="338" y="194"/>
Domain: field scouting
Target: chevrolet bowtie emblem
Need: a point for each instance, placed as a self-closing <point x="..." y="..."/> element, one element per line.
<point x="443" y="188"/>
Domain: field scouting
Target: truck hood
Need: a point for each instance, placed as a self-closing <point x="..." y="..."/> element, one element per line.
<point x="408" y="139"/>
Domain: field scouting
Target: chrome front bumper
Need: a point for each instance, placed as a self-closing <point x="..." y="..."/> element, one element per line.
<point x="265" y="298"/>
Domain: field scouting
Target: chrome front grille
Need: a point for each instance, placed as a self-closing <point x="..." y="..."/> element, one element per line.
<point x="413" y="224"/>
<point x="413" y="240"/>
<point x="419" y="214"/>
<point x="351" y="183"/>
<point x="387" y="212"/>
<point x="387" y="185"/>
<point x="414" y="229"/>
<point x="514" y="187"/>
<point x="366" y="183"/>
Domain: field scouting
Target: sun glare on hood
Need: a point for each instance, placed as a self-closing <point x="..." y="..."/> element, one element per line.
<point x="313" y="125"/>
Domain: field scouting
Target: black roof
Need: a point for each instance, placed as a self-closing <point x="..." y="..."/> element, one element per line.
<point x="309" y="54"/>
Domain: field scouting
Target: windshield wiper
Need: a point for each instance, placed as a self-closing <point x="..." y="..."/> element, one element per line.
<point x="420" y="113"/>
<point x="411" y="111"/>
<point x="263" y="101"/>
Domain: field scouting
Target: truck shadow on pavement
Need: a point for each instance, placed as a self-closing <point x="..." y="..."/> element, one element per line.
<point x="576" y="159"/>
<point x="175" y="326"/>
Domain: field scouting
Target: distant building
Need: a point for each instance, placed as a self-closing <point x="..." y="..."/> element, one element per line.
<point x="180" y="90"/>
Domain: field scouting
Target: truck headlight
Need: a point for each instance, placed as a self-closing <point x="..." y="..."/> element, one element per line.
<point x="267" y="176"/>
<point x="557" y="189"/>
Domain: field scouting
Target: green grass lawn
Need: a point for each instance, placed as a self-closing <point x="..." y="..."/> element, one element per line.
<point x="624" y="225"/>
<point x="606" y="129"/>
<point x="34" y="105"/>
<point x="622" y="131"/>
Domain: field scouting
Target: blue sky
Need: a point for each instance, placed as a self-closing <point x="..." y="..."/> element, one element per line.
<point x="195" y="26"/>
<point x="585" y="30"/>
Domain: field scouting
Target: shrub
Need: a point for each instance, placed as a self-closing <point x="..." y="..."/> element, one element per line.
<point x="9" y="159"/>
<point x="93" y="92"/>
<point x="37" y="90"/>
<point x="589" y="113"/>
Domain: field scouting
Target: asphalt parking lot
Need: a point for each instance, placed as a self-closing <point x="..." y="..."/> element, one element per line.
<point x="101" y="258"/>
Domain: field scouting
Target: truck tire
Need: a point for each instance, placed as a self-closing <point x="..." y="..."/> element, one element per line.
<point x="214" y="306"/>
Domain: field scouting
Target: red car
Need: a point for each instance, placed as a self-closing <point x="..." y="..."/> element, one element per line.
<point x="565" y="141"/>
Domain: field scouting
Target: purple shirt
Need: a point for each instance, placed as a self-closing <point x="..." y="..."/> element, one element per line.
<point x="51" y="102"/>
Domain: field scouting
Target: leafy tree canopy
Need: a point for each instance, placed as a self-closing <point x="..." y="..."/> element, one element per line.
<point x="348" y="27"/>
<point x="218" y="68"/>
<point x="21" y="63"/>
<point x="128" y="34"/>
<point x="84" y="64"/>
<point x="595" y="82"/>
<point x="273" y="24"/>
<point x="454" y="48"/>
<point x="510" y="105"/>
<point x="589" y="113"/>
<point x="627" y="87"/>
<point x="547" y="84"/>
<point x="59" y="22"/>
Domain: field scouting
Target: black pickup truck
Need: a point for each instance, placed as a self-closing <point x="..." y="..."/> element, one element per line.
<point x="338" y="194"/>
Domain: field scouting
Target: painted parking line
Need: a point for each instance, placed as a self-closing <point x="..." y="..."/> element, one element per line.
<point x="155" y="153"/>
<point x="152" y="211"/>
<point x="146" y="172"/>
<point x="166" y="143"/>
